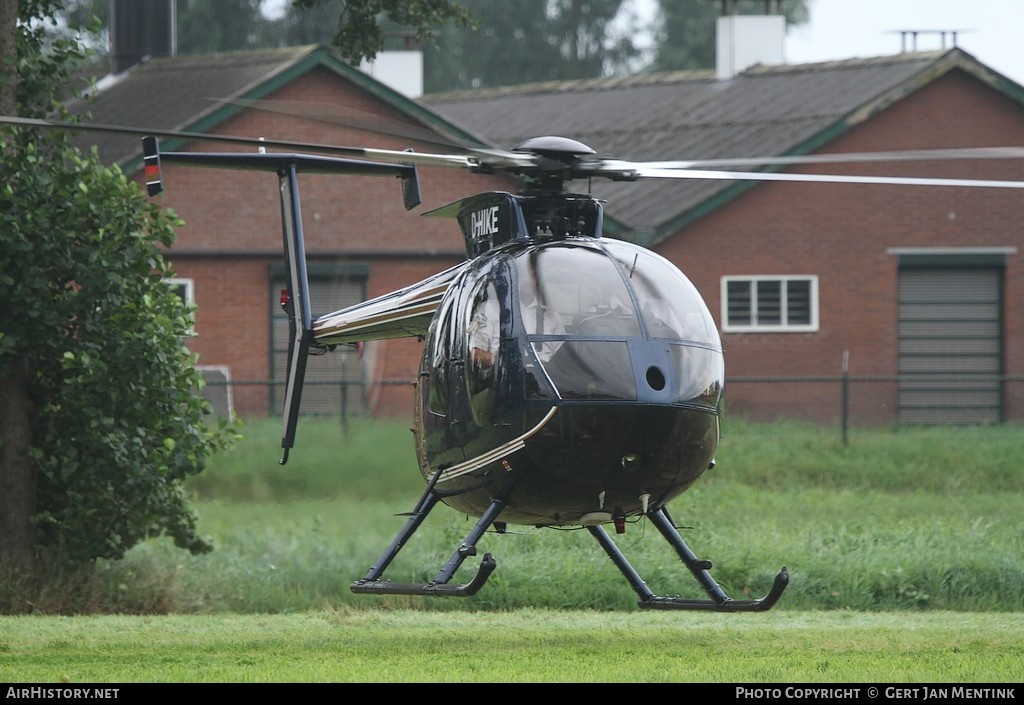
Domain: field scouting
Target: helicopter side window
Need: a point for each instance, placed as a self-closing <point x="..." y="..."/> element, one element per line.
<point x="483" y="338"/>
<point x="439" y="353"/>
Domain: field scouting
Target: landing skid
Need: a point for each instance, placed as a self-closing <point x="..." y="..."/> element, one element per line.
<point x="372" y="582"/>
<point x="718" y="601"/>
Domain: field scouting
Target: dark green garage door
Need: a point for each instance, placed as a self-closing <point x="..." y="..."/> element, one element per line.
<point x="950" y="345"/>
<point x="335" y="381"/>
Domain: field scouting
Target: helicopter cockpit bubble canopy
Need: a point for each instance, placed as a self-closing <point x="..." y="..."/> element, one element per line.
<point x="493" y="219"/>
<point x="610" y="320"/>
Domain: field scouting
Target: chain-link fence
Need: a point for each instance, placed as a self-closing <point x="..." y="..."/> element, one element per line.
<point x="842" y="401"/>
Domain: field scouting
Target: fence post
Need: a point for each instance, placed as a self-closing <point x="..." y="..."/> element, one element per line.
<point x="344" y="406"/>
<point x="845" y="396"/>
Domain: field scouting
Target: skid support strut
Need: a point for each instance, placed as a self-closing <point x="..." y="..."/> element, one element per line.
<point x="372" y="582"/>
<point x="718" y="600"/>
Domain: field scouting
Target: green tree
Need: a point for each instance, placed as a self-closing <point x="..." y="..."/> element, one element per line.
<point x="532" y="40"/>
<point x="684" y="38"/>
<point x="101" y="422"/>
<point x="469" y="44"/>
<point x="360" y="32"/>
<point x="309" y="25"/>
<point x="224" y="25"/>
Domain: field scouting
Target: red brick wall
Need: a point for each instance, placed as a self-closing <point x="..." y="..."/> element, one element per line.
<point x="232" y="323"/>
<point x="232" y="237"/>
<point x="842" y="233"/>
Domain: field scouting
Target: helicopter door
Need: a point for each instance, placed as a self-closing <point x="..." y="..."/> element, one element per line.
<point x="437" y="358"/>
<point x="483" y="335"/>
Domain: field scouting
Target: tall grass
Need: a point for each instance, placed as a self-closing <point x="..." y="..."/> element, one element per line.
<point x="908" y="519"/>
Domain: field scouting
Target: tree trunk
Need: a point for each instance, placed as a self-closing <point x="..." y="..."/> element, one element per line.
<point x="18" y="481"/>
<point x="8" y="78"/>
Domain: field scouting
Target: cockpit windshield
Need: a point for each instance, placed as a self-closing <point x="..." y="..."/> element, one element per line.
<point x="585" y="294"/>
<point x="578" y="290"/>
<point x="587" y="317"/>
<point x="670" y="305"/>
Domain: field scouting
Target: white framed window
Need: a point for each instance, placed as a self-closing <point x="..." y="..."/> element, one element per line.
<point x="218" y="389"/>
<point x="770" y="303"/>
<point x="185" y="288"/>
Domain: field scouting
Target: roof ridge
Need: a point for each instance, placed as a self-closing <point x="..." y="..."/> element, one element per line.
<point x="851" y="62"/>
<point x="578" y="84"/>
<point x="668" y="77"/>
<point x="546" y="87"/>
<point x="241" y="55"/>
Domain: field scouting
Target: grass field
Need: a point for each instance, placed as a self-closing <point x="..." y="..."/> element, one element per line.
<point x="904" y="549"/>
<point x="519" y="646"/>
<point x="910" y="519"/>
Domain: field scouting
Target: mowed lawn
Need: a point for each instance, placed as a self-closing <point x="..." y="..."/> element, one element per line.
<point x="904" y="548"/>
<point x="384" y="645"/>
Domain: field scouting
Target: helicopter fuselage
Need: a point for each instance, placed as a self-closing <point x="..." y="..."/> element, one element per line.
<point x="566" y="379"/>
<point x="578" y="376"/>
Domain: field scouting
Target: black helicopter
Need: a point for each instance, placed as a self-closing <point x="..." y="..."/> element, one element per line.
<point x="567" y="379"/>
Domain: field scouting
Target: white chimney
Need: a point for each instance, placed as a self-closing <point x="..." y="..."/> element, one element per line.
<point x="745" y="40"/>
<point x="401" y="70"/>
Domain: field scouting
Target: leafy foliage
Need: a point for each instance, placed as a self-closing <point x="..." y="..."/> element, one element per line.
<point x="470" y="43"/>
<point x="117" y="424"/>
<point x="225" y="25"/>
<point x="534" y="40"/>
<point x="360" y="30"/>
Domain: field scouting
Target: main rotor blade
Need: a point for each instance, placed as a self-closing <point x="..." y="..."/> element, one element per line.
<point x="170" y="134"/>
<point x="370" y="122"/>
<point x="841" y="158"/>
<point x="820" y="178"/>
<point x="487" y="160"/>
<point x="385" y="155"/>
<point x="347" y="117"/>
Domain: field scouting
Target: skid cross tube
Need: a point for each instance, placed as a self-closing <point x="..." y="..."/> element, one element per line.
<point x="718" y="601"/>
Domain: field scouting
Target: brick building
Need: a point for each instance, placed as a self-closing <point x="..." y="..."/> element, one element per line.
<point x="915" y="291"/>
<point x="228" y="256"/>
